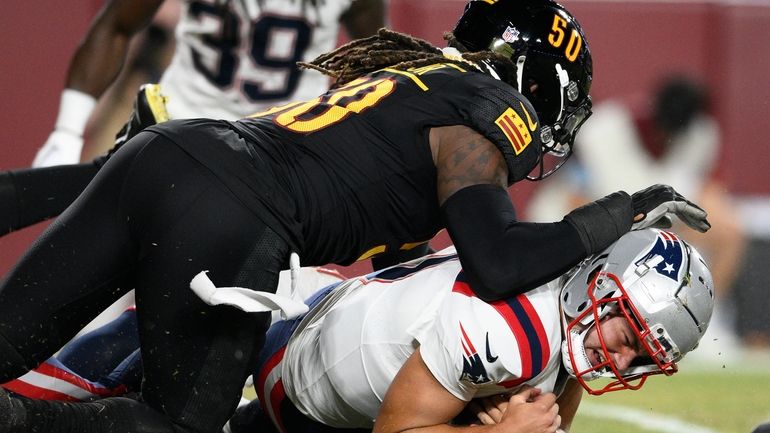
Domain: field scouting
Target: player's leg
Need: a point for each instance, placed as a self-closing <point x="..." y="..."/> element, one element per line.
<point x="196" y="357"/>
<point x="95" y="354"/>
<point x="103" y="362"/>
<point x="75" y="269"/>
<point x="28" y="196"/>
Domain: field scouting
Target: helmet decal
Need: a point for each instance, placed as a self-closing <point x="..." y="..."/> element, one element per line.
<point x="670" y="249"/>
<point x="510" y="34"/>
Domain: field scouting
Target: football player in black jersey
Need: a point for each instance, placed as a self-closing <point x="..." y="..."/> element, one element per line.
<point x="411" y="139"/>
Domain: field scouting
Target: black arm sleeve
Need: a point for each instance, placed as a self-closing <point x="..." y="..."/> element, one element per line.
<point x="32" y="195"/>
<point x="503" y="257"/>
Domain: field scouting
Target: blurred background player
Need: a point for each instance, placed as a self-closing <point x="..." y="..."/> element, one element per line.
<point x="232" y="58"/>
<point x="667" y="136"/>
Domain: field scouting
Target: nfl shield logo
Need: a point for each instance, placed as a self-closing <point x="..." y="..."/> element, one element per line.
<point x="510" y="34"/>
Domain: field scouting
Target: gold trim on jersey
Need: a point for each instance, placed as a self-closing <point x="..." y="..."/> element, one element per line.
<point x="409" y="245"/>
<point x="409" y="75"/>
<point x="412" y="73"/>
<point x="532" y="125"/>
<point x="372" y="252"/>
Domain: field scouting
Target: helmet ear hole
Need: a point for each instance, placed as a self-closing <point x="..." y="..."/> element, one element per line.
<point x="582" y="306"/>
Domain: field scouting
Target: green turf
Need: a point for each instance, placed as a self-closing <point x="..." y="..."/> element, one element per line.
<point x="733" y="398"/>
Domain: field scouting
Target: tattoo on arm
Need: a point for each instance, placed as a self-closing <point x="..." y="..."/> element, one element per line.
<point x="466" y="158"/>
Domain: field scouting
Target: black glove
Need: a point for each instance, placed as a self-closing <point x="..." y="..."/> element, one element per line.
<point x="658" y="203"/>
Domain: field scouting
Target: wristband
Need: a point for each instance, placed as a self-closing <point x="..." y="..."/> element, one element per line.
<point x="74" y="110"/>
<point x="602" y="222"/>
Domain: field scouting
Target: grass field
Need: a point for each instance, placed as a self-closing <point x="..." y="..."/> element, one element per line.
<point x="704" y="397"/>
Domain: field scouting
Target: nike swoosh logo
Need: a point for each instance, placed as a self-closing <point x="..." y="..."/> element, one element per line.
<point x="490" y="358"/>
<point x="532" y="125"/>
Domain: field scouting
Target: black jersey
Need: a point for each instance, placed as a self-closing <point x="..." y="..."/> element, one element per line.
<point x="351" y="172"/>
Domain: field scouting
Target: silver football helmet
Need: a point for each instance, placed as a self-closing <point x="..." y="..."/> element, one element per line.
<point x="663" y="288"/>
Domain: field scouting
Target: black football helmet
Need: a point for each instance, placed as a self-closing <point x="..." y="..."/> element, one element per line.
<point x="553" y="65"/>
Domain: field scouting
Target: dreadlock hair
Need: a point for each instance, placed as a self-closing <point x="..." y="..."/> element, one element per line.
<point x="389" y="49"/>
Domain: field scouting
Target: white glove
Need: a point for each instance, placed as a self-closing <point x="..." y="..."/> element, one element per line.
<point x="62" y="147"/>
<point x="65" y="143"/>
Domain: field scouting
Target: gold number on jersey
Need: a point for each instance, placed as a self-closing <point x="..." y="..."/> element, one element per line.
<point x="332" y="107"/>
<point x="556" y="38"/>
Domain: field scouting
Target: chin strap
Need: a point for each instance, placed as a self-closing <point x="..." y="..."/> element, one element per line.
<point x="520" y="72"/>
<point x="579" y="355"/>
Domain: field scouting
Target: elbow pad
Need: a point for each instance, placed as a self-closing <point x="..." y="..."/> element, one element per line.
<point x="602" y="222"/>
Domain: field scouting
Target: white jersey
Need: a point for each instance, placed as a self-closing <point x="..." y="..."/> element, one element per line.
<point x="343" y="356"/>
<point x="237" y="57"/>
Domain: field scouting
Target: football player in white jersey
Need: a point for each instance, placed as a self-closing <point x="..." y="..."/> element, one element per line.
<point x="408" y="347"/>
<point x="232" y="58"/>
<point x="412" y="346"/>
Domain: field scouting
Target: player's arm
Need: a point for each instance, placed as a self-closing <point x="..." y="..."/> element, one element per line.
<point x="417" y="402"/>
<point x="101" y="54"/>
<point x="501" y="256"/>
<point x="364" y="18"/>
<point x="94" y="66"/>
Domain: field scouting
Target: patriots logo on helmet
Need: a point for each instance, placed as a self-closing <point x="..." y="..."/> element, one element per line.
<point x="473" y="368"/>
<point x="668" y="247"/>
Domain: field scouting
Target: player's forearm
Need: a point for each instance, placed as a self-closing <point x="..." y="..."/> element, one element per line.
<point x="100" y="56"/>
<point x="501" y="256"/>
<point x="97" y="62"/>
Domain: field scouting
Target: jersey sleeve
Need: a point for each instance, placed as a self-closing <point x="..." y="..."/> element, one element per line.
<point x="480" y="349"/>
<point x="507" y="119"/>
<point x="464" y="352"/>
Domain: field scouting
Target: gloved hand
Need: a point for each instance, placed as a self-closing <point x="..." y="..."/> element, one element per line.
<point x="62" y="147"/>
<point x="654" y="206"/>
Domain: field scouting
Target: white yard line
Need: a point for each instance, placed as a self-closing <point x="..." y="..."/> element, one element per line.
<point x="644" y="419"/>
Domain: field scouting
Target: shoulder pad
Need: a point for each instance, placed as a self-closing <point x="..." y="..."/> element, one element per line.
<point x="507" y="119"/>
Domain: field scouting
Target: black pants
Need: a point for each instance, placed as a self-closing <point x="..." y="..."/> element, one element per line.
<point x="151" y="219"/>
